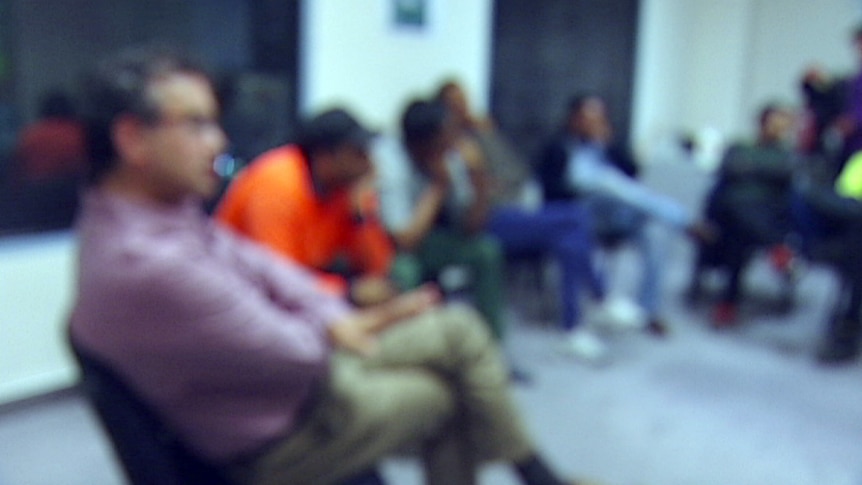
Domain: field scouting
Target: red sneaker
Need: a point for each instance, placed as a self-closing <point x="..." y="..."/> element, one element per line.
<point x="781" y="257"/>
<point x="724" y="315"/>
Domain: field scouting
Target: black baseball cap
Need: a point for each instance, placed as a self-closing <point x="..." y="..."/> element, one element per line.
<point x="331" y="129"/>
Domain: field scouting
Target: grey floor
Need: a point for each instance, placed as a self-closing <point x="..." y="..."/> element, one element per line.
<point x="746" y="406"/>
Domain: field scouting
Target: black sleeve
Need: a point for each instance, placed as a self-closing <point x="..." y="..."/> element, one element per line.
<point x="623" y="159"/>
<point x="550" y="171"/>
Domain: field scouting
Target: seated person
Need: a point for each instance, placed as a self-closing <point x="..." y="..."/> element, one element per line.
<point x="435" y="205"/>
<point x="750" y="206"/>
<point x="54" y="146"/>
<point x="824" y="99"/>
<point x="560" y="228"/>
<point x="581" y="163"/>
<point x="829" y="220"/>
<point x="237" y="349"/>
<point x="39" y="181"/>
<point x="313" y="203"/>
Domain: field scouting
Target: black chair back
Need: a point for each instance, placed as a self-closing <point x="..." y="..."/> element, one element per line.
<point x="150" y="453"/>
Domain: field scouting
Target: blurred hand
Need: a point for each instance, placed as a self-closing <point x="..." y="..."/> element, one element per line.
<point x="472" y="155"/>
<point x="363" y="194"/>
<point x="351" y="334"/>
<point x="439" y="173"/>
<point x="481" y="124"/>
<point x="358" y="332"/>
<point x="371" y="290"/>
<point x="410" y="304"/>
<point x="845" y="125"/>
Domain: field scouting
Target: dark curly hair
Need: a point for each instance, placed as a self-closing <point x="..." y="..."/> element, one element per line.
<point x="120" y="85"/>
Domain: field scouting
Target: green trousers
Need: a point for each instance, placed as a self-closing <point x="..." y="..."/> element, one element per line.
<point x="437" y="380"/>
<point x="480" y="254"/>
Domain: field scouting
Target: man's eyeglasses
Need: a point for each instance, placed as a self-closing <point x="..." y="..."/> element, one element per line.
<point x="195" y="124"/>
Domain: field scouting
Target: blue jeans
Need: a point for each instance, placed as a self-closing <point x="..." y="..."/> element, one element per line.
<point x="592" y="176"/>
<point x="563" y="229"/>
<point x="615" y="220"/>
<point x="624" y="206"/>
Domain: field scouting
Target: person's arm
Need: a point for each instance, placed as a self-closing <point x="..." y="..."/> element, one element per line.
<point x="475" y="217"/>
<point x="372" y="250"/>
<point x="243" y="321"/>
<point x="623" y="159"/>
<point x="370" y="247"/>
<point x="409" y="219"/>
<point x="735" y="163"/>
<point x="551" y="168"/>
<point x="510" y="172"/>
<point x="768" y="165"/>
<point x="774" y="167"/>
<point x="848" y="121"/>
<point x="854" y="102"/>
<point x="267" y="209"/>
<point x="849" y="182"/>
<point x="424" y="215"/>
<point x="358" y="331"/>
<point x="285" y="282"/>
<point x="292" y="287"/>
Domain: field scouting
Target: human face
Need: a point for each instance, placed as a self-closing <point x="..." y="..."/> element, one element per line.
<point x="591" y="121"/>
<point x="431" y="156"/>
<point x="444" y="141"/>
<point x="456" y="102"/>
<point x="182" y="143"/>
<point x="777" y="126"/>
<point x="349" y="163"/>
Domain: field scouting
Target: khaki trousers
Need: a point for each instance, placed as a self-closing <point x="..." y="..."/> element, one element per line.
<point x="437" y="380"/>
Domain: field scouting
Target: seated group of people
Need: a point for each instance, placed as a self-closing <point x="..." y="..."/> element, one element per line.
<point x="262" y="365"/>
<point x="378" y="215"/>
<point x="294" y="339"/>
<point x="449" y="190"/>
<point x="375" y="215"/>
<point x="788" y="201"/>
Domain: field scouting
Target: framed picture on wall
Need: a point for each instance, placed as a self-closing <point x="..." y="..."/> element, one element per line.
<point x="410" y="14"/>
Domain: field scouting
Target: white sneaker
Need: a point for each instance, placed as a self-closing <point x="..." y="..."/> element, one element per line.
<point x="585" y="345"/>
<point x="618" y="313"/>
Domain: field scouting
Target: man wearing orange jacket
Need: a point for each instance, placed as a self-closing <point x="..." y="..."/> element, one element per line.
<point x="314" y="202"/>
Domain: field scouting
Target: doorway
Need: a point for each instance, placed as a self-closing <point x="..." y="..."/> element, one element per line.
<point x="545" y="52"/>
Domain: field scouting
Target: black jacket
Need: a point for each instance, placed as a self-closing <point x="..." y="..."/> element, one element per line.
<point x="551" y="163"/>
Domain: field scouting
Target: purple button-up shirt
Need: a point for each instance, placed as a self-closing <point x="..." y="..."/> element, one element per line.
<point x="225" y="339"/>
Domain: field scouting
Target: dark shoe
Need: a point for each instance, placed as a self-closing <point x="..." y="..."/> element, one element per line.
<point x="837" y="353"/>
<point x="694" y="294"/>
<point x="520" y="376"/>
<point x="657" y="328"/>
<point x="368" y="477"/>
<point x="724" y="315"/>
<point x="703" y="232"/>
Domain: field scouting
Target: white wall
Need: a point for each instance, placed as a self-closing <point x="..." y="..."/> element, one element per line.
<point x="354" y="55"/>
<point x="36" y="281"/>
<point x="705" y="66"/>
<point x="784" y="44"/>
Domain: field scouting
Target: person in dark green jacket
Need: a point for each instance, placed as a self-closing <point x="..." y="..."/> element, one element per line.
<point x="750" y="205"/>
